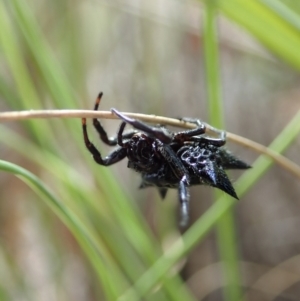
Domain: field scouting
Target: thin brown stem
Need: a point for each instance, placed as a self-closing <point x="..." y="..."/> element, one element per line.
<point x="43" y="114"/>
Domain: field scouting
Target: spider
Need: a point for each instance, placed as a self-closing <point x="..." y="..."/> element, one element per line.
<point x="168" y="159"/>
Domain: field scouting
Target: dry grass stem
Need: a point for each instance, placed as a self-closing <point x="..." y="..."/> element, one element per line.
<point x="44" y="114"/>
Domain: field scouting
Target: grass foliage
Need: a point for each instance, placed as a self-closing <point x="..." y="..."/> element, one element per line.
<point x="47" y="58"/>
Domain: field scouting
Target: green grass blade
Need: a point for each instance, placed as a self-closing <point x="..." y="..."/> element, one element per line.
<point x="266" y="25"/>
<point x="19" y="70"/>
<point x="284" y="12"/>
<point x="227" y="241"/>
<point x="212" y="66"/>
<point x="50" y="69"/>
<point x="79" y="230"/>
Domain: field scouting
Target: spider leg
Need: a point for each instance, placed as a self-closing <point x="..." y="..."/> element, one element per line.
<point x="184" y="202"/>
<point x="174" y="162"/>
<point x="187" y="135"/>
<point x="182" y="174"/>
<point x="112" y="158"/>
<point x="120" y="134"/>
<point x="100" y="130"/>
<point x="156" y="132"/>
<point x="220" y="141"/>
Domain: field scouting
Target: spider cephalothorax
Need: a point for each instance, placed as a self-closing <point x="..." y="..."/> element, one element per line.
<point x="168" y="159"/>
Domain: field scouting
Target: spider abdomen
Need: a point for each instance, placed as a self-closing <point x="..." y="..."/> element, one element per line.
<point x="197" y="157"/>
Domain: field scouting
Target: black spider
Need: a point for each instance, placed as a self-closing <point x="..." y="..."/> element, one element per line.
<point x="166" y="159"/>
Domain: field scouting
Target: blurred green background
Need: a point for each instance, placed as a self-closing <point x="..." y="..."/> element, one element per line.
<point x="79" y="231"/>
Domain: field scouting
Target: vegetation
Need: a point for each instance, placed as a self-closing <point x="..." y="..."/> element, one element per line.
<point x="84" y="232"/>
